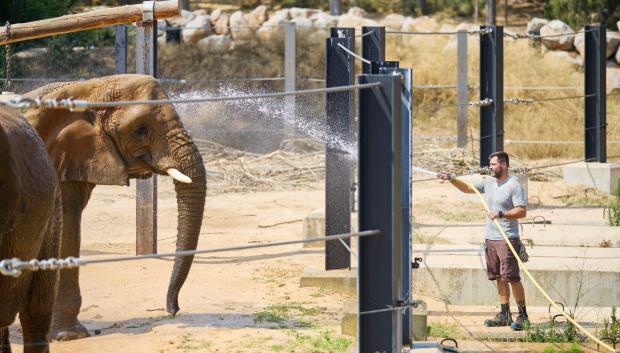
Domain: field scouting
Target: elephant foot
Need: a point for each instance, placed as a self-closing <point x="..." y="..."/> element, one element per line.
<point x="74" y="331"/>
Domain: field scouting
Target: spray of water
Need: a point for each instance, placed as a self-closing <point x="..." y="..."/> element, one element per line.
<point x="270" y="110"/>
<point x="423" y="170"/>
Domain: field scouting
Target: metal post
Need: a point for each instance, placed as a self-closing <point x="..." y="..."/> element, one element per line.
<point x="120" y="48"/>
<point x="340" y="71"/>
<point x="379" y="276"/>
<point x="491" y="13"/>
<point x="377" y="67"/>
<point x="505" y="13"/>
<point x="146" y="189"/>
<point x="595" y="106"/>
<point x="491" y="86"/>
<point x="461" y="89"/>
<point x="406" y="202"/>
<point x="335" y="7"/>
<point x="373" y="46"/>
<point x="290" y="49"/>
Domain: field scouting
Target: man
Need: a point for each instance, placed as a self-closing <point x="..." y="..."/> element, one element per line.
<point x="507" y="202"/>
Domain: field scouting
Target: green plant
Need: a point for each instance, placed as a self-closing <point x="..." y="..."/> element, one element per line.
<point x="574" y="348"/>
<point x="578" y="13"/>
<point x="440" y="329"/>
<point x="551" y="332"/>
<point x="325" y="342"/>
<point x="279" y="313"/>
<point x="614" y="205"/>
<point x="611" y="327"/>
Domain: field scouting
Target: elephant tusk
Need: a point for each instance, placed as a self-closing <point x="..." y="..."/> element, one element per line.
<point x="178" y="176"/>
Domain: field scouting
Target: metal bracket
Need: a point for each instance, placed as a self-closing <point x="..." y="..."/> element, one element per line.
<point x="416" y="262"/>
<point x="148" y="11"/>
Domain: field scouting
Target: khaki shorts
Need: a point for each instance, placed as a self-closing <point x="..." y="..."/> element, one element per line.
<point x="501" y="263"/>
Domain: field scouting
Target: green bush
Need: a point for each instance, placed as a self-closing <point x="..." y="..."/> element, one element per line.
<point x="614" y="205"/>
<point x="579" y="13"/>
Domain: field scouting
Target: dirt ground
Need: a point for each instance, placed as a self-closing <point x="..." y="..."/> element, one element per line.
<point x="246" y="301"/>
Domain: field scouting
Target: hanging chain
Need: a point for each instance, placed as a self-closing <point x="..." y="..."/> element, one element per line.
<point x="8" y="57"/>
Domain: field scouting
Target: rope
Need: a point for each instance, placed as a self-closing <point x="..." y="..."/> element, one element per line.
<point x="479" y="31"/>
<point x="14" y="267"/>
<point x="353" y="54"/>
<point x="529" y="275"/>
<point x="537" y="36"/>
<point x="81" y="105"/>
<point x="481" y="103"/>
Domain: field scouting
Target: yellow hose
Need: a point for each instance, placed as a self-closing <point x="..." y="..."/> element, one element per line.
<point x="529" y="275"/>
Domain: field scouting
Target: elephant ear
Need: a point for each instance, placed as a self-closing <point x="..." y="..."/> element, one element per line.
<point x="79" y="147"/>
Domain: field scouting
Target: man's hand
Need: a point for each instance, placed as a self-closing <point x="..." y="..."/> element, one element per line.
<point x="445" y="176"/>
<point x="493" y="215"/>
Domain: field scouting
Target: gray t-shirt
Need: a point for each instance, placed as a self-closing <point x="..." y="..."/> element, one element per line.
<point x="503" y="197"/>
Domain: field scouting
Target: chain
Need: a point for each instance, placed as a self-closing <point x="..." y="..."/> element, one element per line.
<point x="7" y="54"/>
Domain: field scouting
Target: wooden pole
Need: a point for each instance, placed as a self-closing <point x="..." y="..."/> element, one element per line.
<point x="87" y="20"/>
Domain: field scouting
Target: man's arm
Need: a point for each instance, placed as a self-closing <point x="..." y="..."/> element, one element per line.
<point x="456" y="182"/>
<point x="516" y="213"/>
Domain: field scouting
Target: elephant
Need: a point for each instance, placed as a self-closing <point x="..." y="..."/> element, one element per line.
<point x="108" y="147"/>
<point x="30" y="228"/>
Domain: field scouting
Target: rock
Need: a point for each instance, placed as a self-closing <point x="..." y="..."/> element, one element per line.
<point x="280" y="15"/>
<point x="535" y="24"/>
<point x="186" y="16"/>
<point x="271" y="30"/>
<point x="221" y="25"/>
<point x="563" y="56"/>
<point x="200" y="12"/>
<point x="447" y="28"/>
<point x="469" y="27"/>
<point x="218" y="43"/>
<point x="215" y="15"/>
<point x="322" y="19"/>
<point x="617" y="57"/>
<point x="257" y="17"/>
<point x="393" y="21"/>
<point x="357" y="11"/>
<point x="557" y="27"/>
<point x="613" y="41"/>
<point x="302" y="22"/>
<point x="618" y="25"/>
<point x="420" y="24"/>
<point x="196" y="29"/>
<point x="239" y="27"/>
<point x="355" y="21"/>
<point x="296" y="12"/>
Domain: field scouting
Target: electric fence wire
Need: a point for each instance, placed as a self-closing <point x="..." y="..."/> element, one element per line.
<point x="14" y="267"/>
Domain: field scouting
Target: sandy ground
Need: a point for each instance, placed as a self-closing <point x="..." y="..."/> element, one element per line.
<point x="229" y="300"/>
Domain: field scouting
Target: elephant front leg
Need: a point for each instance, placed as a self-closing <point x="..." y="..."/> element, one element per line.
<point x="36" y="315"/>
<point x="5" y="346"/>
<point x="65" y="324"/>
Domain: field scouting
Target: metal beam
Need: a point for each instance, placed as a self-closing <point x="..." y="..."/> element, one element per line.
<point x="406" y="202"/>
<point x="146" y="189"/>
<point x="290" y="50"/>
<point x="595" y="121"/>
<point x="340" y="71"/>
<point x="462" y="90"/>
<point x="491" y="13"/>
<point x="373" y="46"/>
<point x="491" y="86"/>
<point x="380" y="204"/>
<point x="120" y="48"/>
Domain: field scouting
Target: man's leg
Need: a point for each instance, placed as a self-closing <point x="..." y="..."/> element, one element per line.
<point x="503" y="318"/>
<point x="522" y="321"/>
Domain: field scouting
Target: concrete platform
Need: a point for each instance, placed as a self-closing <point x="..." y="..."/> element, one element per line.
<point x="419" y="320"/>
<point x="457" y="275"/>
<point x="314" y="227"/>
<point x="601" y="176"/>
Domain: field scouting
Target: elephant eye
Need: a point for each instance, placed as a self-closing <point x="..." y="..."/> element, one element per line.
<point x="142" y="130"/>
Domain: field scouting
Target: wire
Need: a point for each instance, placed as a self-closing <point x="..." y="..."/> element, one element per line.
<point x="13" y="267"/>
<point x="353" y="54"/>
<point x="81" y="105"/>
<point x="480" y="31"/>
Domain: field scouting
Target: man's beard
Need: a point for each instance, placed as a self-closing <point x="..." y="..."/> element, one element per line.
<point x="493" y="173"/>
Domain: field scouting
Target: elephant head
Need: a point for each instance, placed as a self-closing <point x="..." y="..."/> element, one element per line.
<point x="109" y="146"/>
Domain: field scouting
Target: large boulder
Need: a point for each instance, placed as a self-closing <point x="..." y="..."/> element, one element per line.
<point x="239" y="26"/>
<point x="200" y="12"/>
<point x="196" y="29"/>
<point x="272" y="29"/>
<point x="613" y="41"/>
<point x="257" y="17"/>
<point x="535" y="24"/>
<point x="563" y="36"/>
<point x="217" y="43"/>
<point x="302" y="22"/>
<point x="322" y="19"/>
<point x="469" y="27"/>
<point x="420" y="24"/>
<point x="182" y="20"/>
<point x="357" y="11"/>
<point x="566" y="57"/>
<point x="221" y="25"/>
<point x="393" y="21"/>
<point x="355" y="21"/>
<point x="297" y="12"/>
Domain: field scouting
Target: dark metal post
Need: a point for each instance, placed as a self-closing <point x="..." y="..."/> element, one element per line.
<point x="491" y="14"/>
<point x="120" y="48"/>
<point x="380" y="186"/>
<point x="406" y="209"/>
<point x="492" y="87"/>
<point x="596" y="105"/>
<point x="373" y="46"/>
<point x="340" y="71"/>
<point x="378" y="67"/>
<point x="335" y="7"/>
<point x="146" y="189"/>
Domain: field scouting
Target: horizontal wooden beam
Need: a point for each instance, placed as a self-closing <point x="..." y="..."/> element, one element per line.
<point x="86" y="20"/>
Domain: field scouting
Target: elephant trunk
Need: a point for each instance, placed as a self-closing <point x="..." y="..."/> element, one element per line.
<point x="191" y="202"/>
